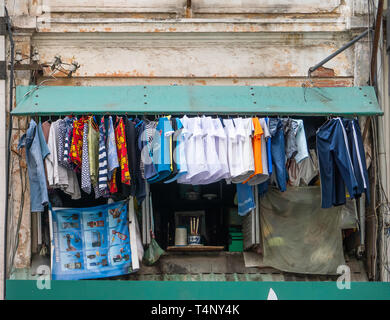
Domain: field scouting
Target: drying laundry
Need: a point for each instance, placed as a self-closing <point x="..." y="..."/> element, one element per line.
<point x="117" y="160"/>
<point x="66" y="161"/>
<point x="59" y="176"/>
<point x="36" y="151"/>
<point x="85" y="173"/>
<point x="290" y="128"/>
<point x="194" y="151"/>
<point x="278" y="152"/>
<point x="112" y="157"/>
<point x="93" y="150"/>
<point x="179" y="156"/>
<point x="148" y="167"/>
<point x="122" y="151"/>
<point x="76" y="145"/>
<point x="300" y="137"/>
<point x="245" y="198"/>
<point x="160" y="148"/>
<point x="102" y="168"/>
<point x="244" y="130"/>
<point x="355" y="144"/>
<point x="336" y="168"/>
<point x="303" y="172"/>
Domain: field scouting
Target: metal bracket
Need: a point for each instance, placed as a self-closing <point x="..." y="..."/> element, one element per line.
<point x="3" y="70"/>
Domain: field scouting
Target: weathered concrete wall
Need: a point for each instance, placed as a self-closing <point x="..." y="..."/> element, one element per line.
<point x="234" y="42"/>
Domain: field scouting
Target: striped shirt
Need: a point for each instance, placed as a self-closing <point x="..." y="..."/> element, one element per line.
<point x="68" y="139"/>
<point x="103" y="170"/>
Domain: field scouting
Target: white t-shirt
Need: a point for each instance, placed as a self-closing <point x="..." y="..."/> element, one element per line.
<point x="244" y="129"/>
<point x="232" y="148"/>
<point x="221" y="148"/>
<point x="212" y="161"/>
<point x="195" y="153"/>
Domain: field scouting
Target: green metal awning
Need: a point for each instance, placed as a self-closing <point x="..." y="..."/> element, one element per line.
<point x="256" y="100"/>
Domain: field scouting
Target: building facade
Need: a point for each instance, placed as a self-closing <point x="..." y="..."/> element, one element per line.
<point x="188" y="42"/>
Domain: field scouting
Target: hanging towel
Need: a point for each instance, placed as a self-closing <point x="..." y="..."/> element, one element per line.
<point x="245" y="198"/>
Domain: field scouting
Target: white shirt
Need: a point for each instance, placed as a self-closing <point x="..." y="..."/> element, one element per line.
<point x="57" y="175"/>
<point x="232" y="148"/>
<point x="221" y="148"/>
<point x="195" y="153"/>
<point x="212" y="161"/>
<point x="244" y="128"/>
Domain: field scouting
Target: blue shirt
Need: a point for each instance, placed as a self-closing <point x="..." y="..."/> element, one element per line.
<point x="36" y="150"/>
<point x="161" y="149"/>
<point x="179" y="155"/>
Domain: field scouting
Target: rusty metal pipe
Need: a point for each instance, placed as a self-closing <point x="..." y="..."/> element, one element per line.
<point x="346" y="46"/>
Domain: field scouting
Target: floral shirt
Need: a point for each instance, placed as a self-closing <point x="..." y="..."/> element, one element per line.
<point x="76" y="146"/>
<point x="122" y="151"/>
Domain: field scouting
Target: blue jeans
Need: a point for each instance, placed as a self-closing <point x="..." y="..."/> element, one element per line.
<point x="278" y="152"/>
<point x="36" y="150"/>
<point x="336" y="170"/>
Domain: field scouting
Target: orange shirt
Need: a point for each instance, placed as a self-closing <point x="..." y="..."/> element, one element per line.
<point x="256" y="145"/>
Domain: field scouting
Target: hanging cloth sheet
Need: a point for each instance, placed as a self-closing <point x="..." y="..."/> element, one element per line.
<point x="298" y="235"/>
<point x="91" y="242"/>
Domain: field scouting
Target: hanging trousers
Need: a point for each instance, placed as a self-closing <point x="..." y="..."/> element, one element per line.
<point x="336" y="169"/>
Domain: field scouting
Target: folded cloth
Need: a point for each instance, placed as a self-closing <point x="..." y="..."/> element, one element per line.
<point x="245" y="198"/>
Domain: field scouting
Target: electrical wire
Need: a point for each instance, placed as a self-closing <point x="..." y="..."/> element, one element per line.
<point x="8" y="154"/>
<point x="383" y="205"/>
<point x="23" y="181"/>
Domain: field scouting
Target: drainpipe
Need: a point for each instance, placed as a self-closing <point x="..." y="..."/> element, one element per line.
<point x="377" y="34"/>
<point x="382" y="172"/>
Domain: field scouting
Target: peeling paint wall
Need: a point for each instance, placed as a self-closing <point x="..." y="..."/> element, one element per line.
<point x="213" y="42"/>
